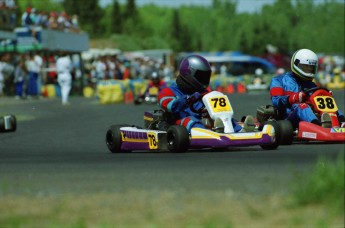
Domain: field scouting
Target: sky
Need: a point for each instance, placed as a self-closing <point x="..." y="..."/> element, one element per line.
<point x="242" y="6"/>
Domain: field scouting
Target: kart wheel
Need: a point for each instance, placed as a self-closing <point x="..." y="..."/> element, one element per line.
<point x="114" y="138"/>
<point x="12" y="123"/>
<point x="177" y="139"/>
<point x="277" y="131"/>
<point x="286" y="132"/>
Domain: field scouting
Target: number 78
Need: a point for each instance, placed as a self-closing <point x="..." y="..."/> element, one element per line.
<point x="219" y="101"/>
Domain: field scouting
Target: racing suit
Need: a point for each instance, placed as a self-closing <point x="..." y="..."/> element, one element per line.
<point x="173" y="100"/>
<point x="152" y="86"/>
<point x="286" y="85"/>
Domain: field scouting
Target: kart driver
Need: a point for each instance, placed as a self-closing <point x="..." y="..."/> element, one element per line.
<point x="155" y="84"/>
<point x="191" y="83"/>
<point x="287" y="94"/>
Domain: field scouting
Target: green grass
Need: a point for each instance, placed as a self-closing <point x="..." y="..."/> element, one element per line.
<point x="325" y="185"/>
<point x="318" y="202"/>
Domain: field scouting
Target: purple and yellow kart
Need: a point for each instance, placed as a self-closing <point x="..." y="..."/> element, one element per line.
<point x="159" y="136"/>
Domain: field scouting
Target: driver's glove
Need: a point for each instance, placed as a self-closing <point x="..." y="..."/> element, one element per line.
<point x="179" y="104"/>
<point x="296" y="98"/>
<point x="193" y="98"/>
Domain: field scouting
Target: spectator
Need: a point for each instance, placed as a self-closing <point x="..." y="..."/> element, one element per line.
<point x="52" y="21"/>
<point x="100" y="68"/>
<point x="32" y="69"/>
<point x="52" y="75"/>
<point x="75" y="23"/>
<point x="39" y="61"/>
<point x="20" y="78"/>
<point x="11" y="6"/>
<point x="7" y="70"/>
<point x="2" y="78"/>
<point x="64" y="68"/>
<point x="26" y="18"/>
<point x="62" y="20"/>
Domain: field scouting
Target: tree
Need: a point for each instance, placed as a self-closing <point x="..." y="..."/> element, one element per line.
<point x="71" y="6"/>
<point x="90" y="15"/>
<point x="116" y="25"/>
<point x="131" y="9"/>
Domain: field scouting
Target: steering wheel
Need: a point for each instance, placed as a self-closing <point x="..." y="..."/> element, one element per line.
<point x="312" y="90"/>
<point x="191" y="103"/>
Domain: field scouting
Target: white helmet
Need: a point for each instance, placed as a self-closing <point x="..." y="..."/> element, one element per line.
<point x="304" y="63"/>
<point x="259" y="72"/>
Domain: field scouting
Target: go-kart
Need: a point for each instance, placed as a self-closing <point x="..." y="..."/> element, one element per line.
<point x="159" y="135"/>
<point x="8" y="123"/>
<point x="321" y="101"/>
<point x="150" y="97"/>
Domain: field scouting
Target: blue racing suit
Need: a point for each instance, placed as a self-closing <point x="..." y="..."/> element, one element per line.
<point x="286" y="85"/>
<point x="173" y="100"/>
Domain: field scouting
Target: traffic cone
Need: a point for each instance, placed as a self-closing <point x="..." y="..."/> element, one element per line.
<point x="220" y="89"/>
<point x="129" y="98"/>
<point x="230" y="89"/>
<point x="241" y="88"/>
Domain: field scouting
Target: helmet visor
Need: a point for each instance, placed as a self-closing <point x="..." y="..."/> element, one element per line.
<point x="309" y="69"/>
<point x="203" y="77"/>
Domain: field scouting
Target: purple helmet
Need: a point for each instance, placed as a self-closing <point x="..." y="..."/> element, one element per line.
<point x="194" y="74"/>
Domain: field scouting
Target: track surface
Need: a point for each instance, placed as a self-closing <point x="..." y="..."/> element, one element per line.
<point x="61" y="149"/>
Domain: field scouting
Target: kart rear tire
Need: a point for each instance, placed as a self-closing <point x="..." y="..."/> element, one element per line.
<point x="177" y="139"/>
<point x="286" y="132"/>
<point x="277" y="131"/>
<point x="113" y="138"/>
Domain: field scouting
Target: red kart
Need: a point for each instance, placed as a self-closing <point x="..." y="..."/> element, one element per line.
<point x="321" y="101"/>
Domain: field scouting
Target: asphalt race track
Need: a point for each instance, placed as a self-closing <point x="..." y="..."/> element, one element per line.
<point x="61" y="149"/>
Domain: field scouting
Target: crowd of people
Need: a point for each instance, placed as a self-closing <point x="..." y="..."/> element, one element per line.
<point x="50" y="20"/>
<point x="33" y="17"/>
<point x="23" y="75"/>
<point x="107" y="66"/>
<point x="8" y="14"/>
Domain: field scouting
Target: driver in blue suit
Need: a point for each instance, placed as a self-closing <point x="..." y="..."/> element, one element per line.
<point x="287" y="91"/>
<point x="191" y="83"/>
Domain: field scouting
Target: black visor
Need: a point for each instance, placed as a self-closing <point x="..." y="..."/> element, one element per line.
<point x="203" y="77"/>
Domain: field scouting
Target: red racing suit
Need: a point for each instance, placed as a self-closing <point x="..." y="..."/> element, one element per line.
<point x="153" y="86"/>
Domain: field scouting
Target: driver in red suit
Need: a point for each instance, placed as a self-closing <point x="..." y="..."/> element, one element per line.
<point x="191" y="83"/>
<point x="155" y="83"/>
<point x="287" y="91"/>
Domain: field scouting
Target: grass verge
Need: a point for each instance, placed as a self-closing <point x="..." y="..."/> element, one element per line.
<point x="315" y="203"/>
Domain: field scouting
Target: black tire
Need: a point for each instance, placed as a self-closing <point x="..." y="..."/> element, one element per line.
<point x="113" y="138"/>
<point x="13" y="124"/>
<point x="277" y="131"/>
<point x="2" y="124"/>
<point x="178" y="139"/>
<point x="286" y="132"/>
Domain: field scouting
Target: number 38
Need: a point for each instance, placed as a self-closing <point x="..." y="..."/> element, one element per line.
<point x="326" y="103"/>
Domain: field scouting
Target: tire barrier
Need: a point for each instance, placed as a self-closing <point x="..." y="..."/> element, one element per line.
<point x="111" y="91"/>
<point x="116" y="91"/>
<point x="50" y="90"/>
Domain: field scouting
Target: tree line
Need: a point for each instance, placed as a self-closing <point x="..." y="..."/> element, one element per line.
<point x="286" y="24"/>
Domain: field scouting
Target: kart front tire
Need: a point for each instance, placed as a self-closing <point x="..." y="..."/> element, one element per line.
<point x="286" y="132"/>
<point x="114" y="138"/>
<point x="277" y="131"/>
<point x="178" y="139"/>
<point x="13" y="124"/>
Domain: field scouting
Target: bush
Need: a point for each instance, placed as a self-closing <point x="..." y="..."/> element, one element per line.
<point x="324" y="185"/>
